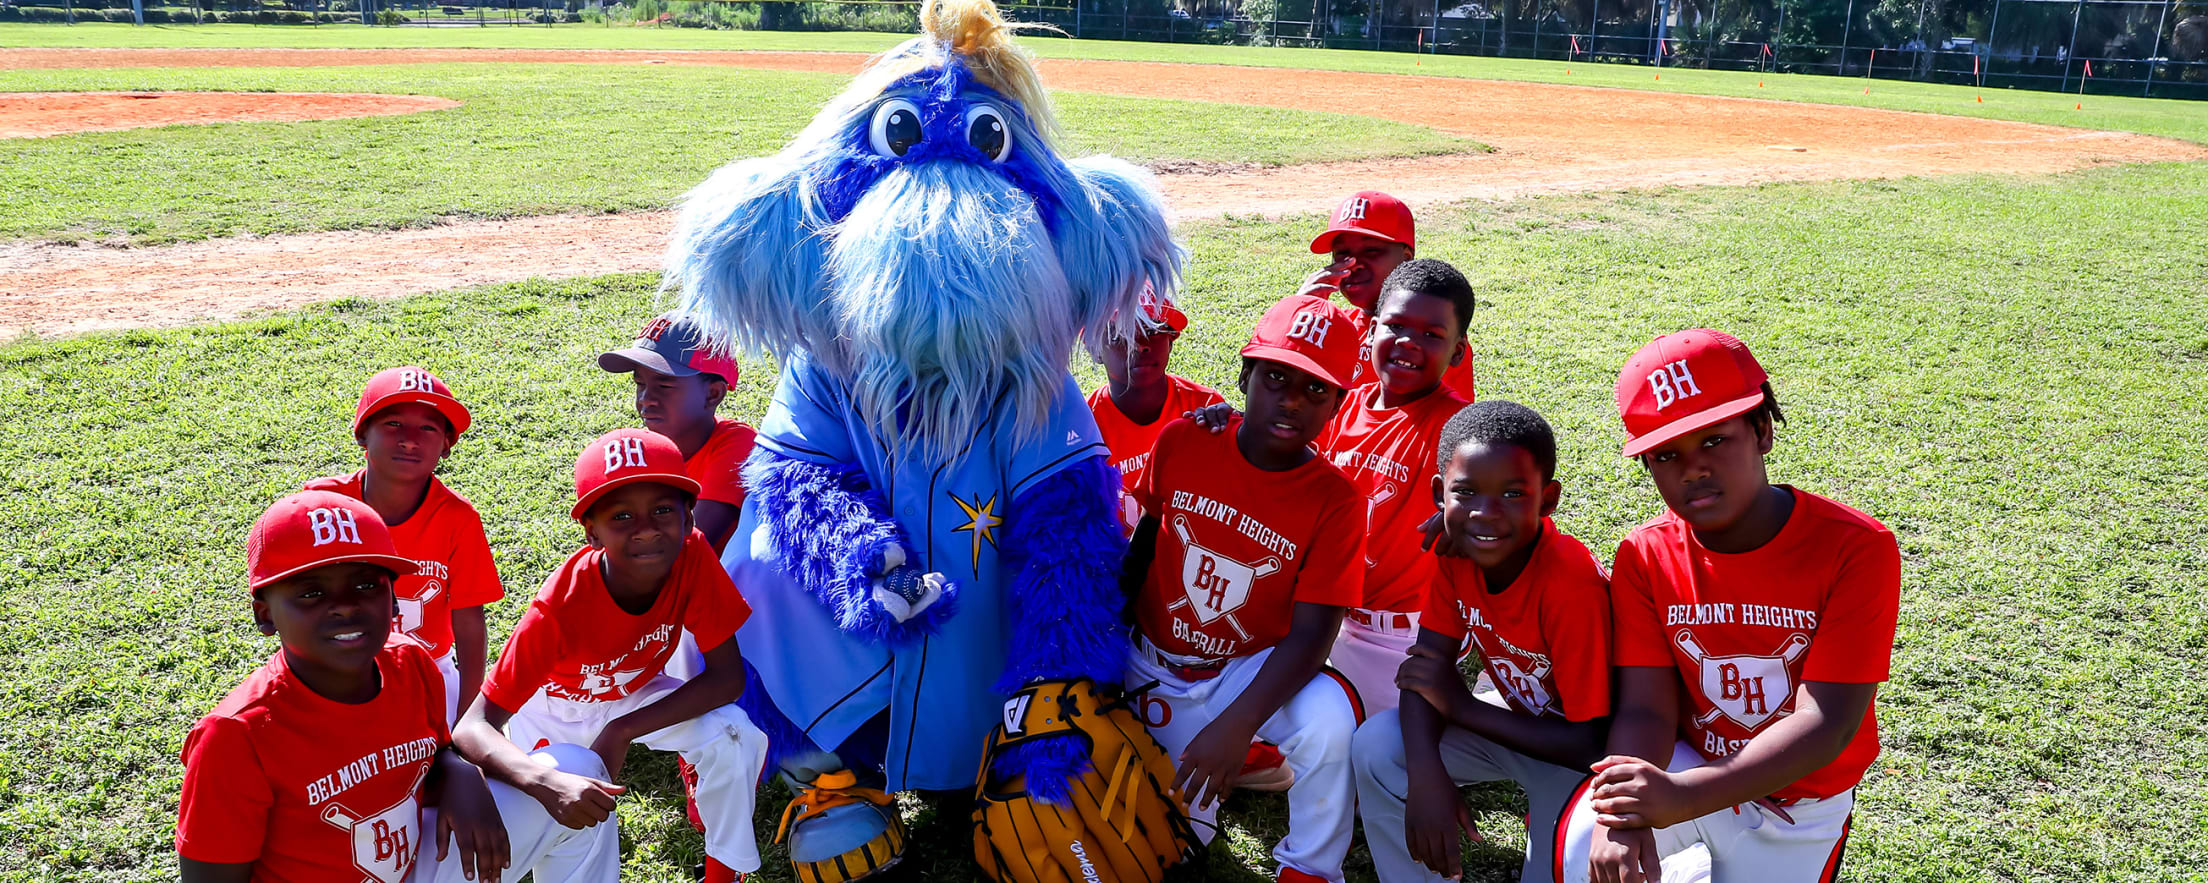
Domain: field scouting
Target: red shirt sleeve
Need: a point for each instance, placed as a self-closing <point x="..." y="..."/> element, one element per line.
<point x="474" y="575"/>
<point x="1635" y="631"/>
<point x="526" y="663"/>
<point x="1333" y="569"/>
<point x="1855" y="630"/>
<point x="1459" y="378"/>
<point x="721" y="480"/>
<point x="1146" y="491"/>
<point x="1441" y="615"/>
<point x="222" y="817"/>
<point x="716" y="610"/>
<point x="1577" y="629"/>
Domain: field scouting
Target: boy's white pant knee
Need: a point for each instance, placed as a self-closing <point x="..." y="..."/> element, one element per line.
<point x="1313" y="731"/>
<point x="1369" y="657"/>
<point x="544" y="849"/>
<point x="722" y="744"/>
<point x="1383" y="785"/>
<point x="449" y="666"/>
<point x="1746" y="843"/>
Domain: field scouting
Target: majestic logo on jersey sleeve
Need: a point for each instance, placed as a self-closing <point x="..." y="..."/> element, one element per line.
<point x="1748" y="690"/>
<point x="1214" y="586"/>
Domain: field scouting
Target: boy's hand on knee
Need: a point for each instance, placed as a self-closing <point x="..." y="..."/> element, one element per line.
<point x="1632" y="793"/>
<point x="468" y="819"/>
<point x="1434" y="816"/>
<point x="577" y="801"/>
<point x="1211" y="762"/>
<point x="1623" y="855"/>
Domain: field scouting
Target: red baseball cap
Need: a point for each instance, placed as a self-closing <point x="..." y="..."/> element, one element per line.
<point x="1682" y="382"/>
<point x="1309" y="333"/>
<point x="1161" y="312"/>
<point x="625" y="457"/>
<point x="674" y="345"/>
<point x="1372" y="213"/>
<point x="312" y="529"/>
<point x="408" y="383"/>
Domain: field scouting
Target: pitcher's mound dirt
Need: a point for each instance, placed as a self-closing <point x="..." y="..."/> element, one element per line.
<point x="41" y="114"/>
<point x="1547" y="139"/>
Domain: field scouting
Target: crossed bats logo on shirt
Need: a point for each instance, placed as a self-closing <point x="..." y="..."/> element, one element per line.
<point x="1214" y="586"/>
<point x="385" y="843"/>
<point x="1739" y="687"/>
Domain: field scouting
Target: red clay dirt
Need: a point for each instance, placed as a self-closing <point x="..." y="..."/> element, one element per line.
<point x="42" y="114"/>
<point x="1548" y="139"/>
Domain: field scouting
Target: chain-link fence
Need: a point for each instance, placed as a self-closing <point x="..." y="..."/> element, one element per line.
<point x="2156" y="48"/>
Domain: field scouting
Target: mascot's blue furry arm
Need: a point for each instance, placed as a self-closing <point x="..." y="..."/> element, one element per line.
<point x="834" y="534"/>
<point x="1066" y="546"/>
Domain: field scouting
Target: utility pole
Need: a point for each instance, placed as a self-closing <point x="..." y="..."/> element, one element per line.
<point x="1993" y="27"/>
<point x="2075" y="19"/>
<point x="1847" y="29"/>
<point x="2157" y="53"/>
<point x="1917" y="60"/>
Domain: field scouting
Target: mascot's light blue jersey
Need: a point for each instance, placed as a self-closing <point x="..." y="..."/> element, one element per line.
<point x="955" y="513"/>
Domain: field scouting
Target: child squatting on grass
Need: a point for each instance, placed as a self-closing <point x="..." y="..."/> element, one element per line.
<point x="406" y="424"/>
<point x="320" y="765"/>
<point x="588" y="663"/>
<point x="1534" y="604"/>
<point x="1754" y="623"/>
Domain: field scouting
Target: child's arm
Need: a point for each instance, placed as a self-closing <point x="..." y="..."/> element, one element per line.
<point x="572" y="800"/>
<point x="189" y="871"/>
<point x="470" y="637"/>
<point x="720" y="684"/>
<point x="467" y="818"/>
<point x="1431" y="672"/>
<point x="1634" y="792"/>
<point x="1432" y="812"/>
<point x="1215" y="756"/>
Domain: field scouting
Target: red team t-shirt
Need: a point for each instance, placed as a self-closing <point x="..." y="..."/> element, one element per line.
<point x="580" y="646"/>
<point x="718" y="468"/>
<point x="1816" y="603"/>
<point x="1130" y="442"/>
<point x="310" y="789"/>
<point x="1458" y="379"/>
<point x="1238" y="547"/>
<point x="1545" y="639"/>
<point x="453" y="569"/>
<point x="1390" y="454"/>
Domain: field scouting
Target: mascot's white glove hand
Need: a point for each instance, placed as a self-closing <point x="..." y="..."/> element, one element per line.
<point x="905" y="591"/>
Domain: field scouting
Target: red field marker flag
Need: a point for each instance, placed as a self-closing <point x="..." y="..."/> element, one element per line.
<point x="2088" y="67"/>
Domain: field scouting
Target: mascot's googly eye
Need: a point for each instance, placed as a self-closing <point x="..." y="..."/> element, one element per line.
<point x="896" y="127"/>
<point x="986" y="131"/>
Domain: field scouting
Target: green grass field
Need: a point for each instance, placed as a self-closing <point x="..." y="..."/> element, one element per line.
<point x="2008" y="371"/>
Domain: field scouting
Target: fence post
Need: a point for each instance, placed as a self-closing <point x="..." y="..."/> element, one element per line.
<point x="1594" y="27"/>
<point x="1917" y="60"/>
<point x="2148" y="92"/>
<point x="1992" y="27"/>
<point x="1847" y="29"/>
<point x="2075" y="19"/>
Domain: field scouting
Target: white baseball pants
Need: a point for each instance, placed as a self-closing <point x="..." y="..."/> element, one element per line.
<point x="1313" y="731"/>
<point x="722" y="744"/>
<point x="1745" y="843"/>
<point x="544" y="849"/>
<point x="1384" y="784"/>
<point x="1370" y="656"/>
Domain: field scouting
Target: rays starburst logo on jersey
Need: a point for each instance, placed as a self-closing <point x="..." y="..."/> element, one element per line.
<point x="981" y="522"/>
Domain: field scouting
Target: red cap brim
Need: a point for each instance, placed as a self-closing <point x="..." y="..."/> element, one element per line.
<point x="1691" y="422"/>
<point x="1293" y="359"/>
<point x="446" y="405"/>
<point x="1324" y="242"/>
<point x="393" y="563"/>
<point x="682" y="482"/>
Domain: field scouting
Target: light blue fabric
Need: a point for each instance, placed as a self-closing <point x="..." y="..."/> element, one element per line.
<point x="938" y="688"/>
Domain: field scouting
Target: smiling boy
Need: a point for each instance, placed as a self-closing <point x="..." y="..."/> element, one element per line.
<point x="318" y="766"/>
<point x="1534" y="603"/>
<point x="1368" y="235"/>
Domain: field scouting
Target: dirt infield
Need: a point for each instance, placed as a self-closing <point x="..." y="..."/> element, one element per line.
<point x="43" y="114"/>
<point x="1548" y="139"/>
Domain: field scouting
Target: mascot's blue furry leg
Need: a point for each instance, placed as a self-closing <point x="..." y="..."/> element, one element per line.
<point x="784" y="739"/>
<point x="829" y="530"/>
<point x="1065" y="545"/>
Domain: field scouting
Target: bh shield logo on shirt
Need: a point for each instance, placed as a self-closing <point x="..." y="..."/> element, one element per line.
<point x="1749" y="690"/>
<point x="1522" y="683"/>
<point x="410" y="618"/>
<point x="1214" y="586"/>
<point x="384" y="844"/>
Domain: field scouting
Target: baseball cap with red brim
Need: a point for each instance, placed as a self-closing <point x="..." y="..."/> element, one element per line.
<point x="1682" y="382"/>
<point x="313" y="529"/>
<point x="624" y="457"/>
<point x="1372" y="213"/>
<point x="1308" y="333"/>
<point x="409" y="384"/>
<point x="671" y="344"/>
<point x="1162" y="313"/>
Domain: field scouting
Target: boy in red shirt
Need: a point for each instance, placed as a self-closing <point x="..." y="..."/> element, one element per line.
<point x="587" y="663"/>
<point x="1754" y="624"/>
<point x="318" y="766"/>
<point x="1385" y="440"/>
<point x="1369" y="235"/>
<point x="1250" y="547"/>
<point x="406" y="423"/>
<point x="1139" y="398"/>
<point x="680" y="383"/>
<point x="1536" y="606"/>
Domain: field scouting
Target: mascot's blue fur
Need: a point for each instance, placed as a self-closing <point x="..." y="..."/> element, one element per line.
<point x="922" y="244"/>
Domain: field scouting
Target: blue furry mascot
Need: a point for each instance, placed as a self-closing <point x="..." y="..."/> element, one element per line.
<point x="930" y="522"/>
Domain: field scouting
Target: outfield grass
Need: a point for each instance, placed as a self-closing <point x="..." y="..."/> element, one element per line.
<point x="528" y="140"/>
<point x="2008" y="372"/>
<point x="2177" y="119"/>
